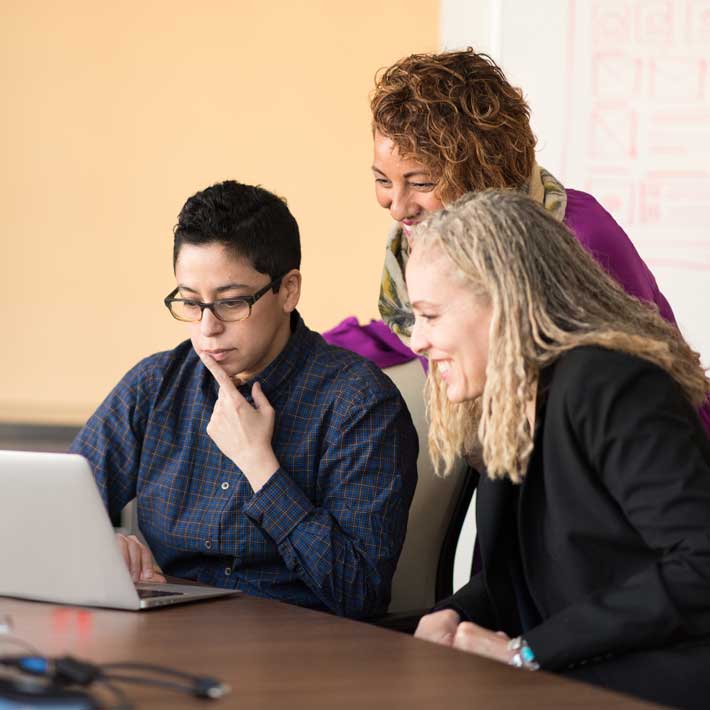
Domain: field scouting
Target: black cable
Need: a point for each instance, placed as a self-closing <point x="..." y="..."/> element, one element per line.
<point x="70" y="671"/>
<point x="130" y="665"/>
<point x="144" y="680"/>
<point x="201" y="686"/>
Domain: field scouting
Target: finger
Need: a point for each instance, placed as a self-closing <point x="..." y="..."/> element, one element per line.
<point x="135" y="550"/>
<point x="147" y="563"/>
<point x="227" y="389"/>
<point x="481" y="641"/>
<point x="466" y="638"/>
<point x="447" y="639"/>
<point x="230" y="401"/>
<point x="463" y="643"/>
<point x="222" y="378"/>
<point x="466" y="632"/>
<point x="231" y="397"/>
<point x="123" y="547"/>
<point x="442" y="636"/>
<point x="158" y="578"/>
<point x="133" y="558"/>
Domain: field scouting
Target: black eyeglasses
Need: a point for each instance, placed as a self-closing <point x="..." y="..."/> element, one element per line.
<point x="227" y="310"/>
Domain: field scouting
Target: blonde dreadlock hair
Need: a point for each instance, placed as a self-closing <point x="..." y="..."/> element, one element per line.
<point x="548" y="296"/>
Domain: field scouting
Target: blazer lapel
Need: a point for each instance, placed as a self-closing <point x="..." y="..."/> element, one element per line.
<point x="495" y="514"/>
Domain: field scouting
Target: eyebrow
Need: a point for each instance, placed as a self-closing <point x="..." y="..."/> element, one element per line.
<point x="219" y="289"/>
<point x="411" y="173"/>
<point x="424" y="304"/>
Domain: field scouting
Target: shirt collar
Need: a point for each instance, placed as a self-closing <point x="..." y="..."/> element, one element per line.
<point x="279" y="371"/>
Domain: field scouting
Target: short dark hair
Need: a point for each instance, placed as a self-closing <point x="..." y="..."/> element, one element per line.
<point x="251" y="222"/>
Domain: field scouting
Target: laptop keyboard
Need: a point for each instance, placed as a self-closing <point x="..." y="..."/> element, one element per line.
<point x="153" y="593"/>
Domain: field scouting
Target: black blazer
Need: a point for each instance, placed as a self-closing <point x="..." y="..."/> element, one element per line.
<point x="613" y="517"/>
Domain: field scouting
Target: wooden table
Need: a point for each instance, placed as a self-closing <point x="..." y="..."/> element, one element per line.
<point x="280" y="656"/>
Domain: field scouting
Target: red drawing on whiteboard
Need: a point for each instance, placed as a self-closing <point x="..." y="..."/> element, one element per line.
<point x="612" y="24"/>
<point x="613" y="133"/>
<point x="655" y="22"/>
<point x="650" y="203"/>
<point x="677" y="200"/>
<point x="677" y="79"/>
<point x="698" y="21"/>
<point x="616" y="76"/>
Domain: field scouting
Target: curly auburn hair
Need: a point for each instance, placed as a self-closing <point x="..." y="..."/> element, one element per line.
<point x="457" y="114"/>
<point x="548" y="296"/>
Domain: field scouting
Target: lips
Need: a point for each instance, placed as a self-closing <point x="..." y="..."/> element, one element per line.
<point x="443" y="366"/>
<point x="408" y="226"/>
<point x="219" y="355"/>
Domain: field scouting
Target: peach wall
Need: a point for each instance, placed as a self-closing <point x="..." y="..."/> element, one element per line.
<point x="115" y="113"/>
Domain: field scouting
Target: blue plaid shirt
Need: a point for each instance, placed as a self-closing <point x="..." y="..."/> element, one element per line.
<point x="327" y="528"/>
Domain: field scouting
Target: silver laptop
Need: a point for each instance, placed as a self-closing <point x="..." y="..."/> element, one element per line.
<point x="57" y="543"/>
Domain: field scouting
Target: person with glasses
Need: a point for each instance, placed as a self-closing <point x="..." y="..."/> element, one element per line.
<point x="261" y="458"/>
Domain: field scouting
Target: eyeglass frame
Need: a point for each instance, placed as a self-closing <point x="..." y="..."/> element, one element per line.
<point x="249" y="300"/>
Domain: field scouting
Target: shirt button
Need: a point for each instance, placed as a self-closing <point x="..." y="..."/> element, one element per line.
<point x="225" y="485"/>
<point x="208" y="544"/>
<point x="227" y="571"/>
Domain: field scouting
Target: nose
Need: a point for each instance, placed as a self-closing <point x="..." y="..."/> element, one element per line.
<point x="418" y="341"/>
<point x="399" y="204"/>
<point x="210" y="324"/>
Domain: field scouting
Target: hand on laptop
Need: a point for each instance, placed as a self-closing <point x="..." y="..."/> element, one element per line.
<point x="243" y="432"/>
<point x="139" y="559"/>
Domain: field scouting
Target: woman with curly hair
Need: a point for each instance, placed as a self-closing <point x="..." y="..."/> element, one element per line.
<point x="450" y="123"/>
<point x="594" y="514"/>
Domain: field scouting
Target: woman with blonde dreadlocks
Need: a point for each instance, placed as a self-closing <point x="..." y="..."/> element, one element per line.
<point x="594" y="513"/>
<point x="450" y="123"/>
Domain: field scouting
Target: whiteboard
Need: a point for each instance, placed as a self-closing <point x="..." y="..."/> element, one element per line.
<point x="620" y="99"/>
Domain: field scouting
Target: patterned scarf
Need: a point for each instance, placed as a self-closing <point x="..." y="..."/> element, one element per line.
<point x="394" y="305"/>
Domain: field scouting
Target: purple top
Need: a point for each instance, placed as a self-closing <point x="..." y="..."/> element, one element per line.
<point x="374" y="341"/>
<point x="606" y="241"/>
<point x="597" y="232"/>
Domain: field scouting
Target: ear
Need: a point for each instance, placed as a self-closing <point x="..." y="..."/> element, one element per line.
<point x="290" y="290"/>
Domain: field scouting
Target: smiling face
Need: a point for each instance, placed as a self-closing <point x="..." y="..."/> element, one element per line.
<point x="451" y="324"/>
<point x="208" y="272"/>
<point x="404" y="187"/>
